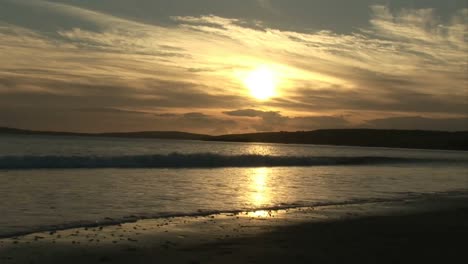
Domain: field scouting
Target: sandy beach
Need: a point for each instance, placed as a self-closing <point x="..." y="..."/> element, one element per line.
<point x="428" y="230"/>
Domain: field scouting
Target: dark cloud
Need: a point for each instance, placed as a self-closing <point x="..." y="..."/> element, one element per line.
<point x="252" y="113"/>
<point x="91" y="93"/>
<point x="165" y="115"/>
<point x="111" y="120"/>
<point x="113" y="110"/>
<point x="275" y="121"/>
<point x="200" y="122"/>
<point x="238" y="121"/>
<point x="31" y="14"/>
<point x="385" y="100"/>
<point x="298" y="15"/>
<point x="195" y="115"/>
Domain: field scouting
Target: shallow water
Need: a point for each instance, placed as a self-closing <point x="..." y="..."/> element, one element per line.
<point x="36" y="199"/>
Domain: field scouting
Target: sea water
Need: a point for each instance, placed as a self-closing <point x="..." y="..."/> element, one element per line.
<point x="51" y="182"/>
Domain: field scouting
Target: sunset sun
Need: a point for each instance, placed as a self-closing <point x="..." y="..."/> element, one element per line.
<point x="261" y="82"/>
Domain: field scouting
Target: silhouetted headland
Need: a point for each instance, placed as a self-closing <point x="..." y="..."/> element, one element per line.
<point x="361" y="137"/>
<point x="418" y="139"/>
<point x="142" y="134"/>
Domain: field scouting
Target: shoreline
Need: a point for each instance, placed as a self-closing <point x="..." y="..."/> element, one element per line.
<point x="266" y="236"/>
<point x="106" y="222"/>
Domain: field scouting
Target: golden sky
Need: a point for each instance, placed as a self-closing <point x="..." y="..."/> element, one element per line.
<point x="151" y="65"/>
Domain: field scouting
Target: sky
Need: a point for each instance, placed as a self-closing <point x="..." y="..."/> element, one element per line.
<point x="118" y="65"/>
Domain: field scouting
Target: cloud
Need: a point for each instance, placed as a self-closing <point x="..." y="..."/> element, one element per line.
<point x="111" y="120"/>
<point x="252" y="113"/>
<point x="387" y="101"/>
<point x="103" y="110"/>
<point x="407" y="62"/>
<point x="275" y="121"/>
<point x="267" y="5"/>
<point x="196" y="121"/>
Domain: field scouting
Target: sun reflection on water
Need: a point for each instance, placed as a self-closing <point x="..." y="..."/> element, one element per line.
<point x="260" y="213"/>
<point x="259" y="187"/>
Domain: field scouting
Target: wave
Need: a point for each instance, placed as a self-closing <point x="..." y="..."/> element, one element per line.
<point x="195" y="160"/>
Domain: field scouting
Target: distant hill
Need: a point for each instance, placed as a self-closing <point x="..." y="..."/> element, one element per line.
<point x="361" y="137"/>
<point x="157" y="134"/>
<point x="148" y="134"/>
<point x="341" y="137"/>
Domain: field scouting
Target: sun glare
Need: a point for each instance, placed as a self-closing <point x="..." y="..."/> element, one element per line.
<point x="261" y="82"/>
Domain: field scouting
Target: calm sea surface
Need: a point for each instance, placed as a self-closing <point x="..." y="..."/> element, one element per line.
<point x="55" y="182"/>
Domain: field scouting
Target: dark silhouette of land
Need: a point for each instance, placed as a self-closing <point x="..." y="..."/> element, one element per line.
<point x="143" y="134"/>
<point x="419" y="139"/>
<point x="361" y="137"/>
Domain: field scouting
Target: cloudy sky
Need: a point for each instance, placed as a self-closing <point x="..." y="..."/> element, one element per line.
<point x="118" y="65"/>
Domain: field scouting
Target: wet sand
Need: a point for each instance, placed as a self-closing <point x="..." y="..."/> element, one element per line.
<point x="432" y="230"/>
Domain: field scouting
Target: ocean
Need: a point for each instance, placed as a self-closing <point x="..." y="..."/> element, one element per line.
<point x="55" y="182"/>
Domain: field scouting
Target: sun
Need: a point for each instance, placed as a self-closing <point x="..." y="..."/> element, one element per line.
<point x="261" y="82"/>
